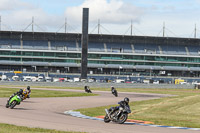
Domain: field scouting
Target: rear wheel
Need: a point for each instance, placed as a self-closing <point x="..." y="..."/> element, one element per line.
<point x="106" y="119"/>
<point x="123" y="117"/>
<point x="13" y="104"/>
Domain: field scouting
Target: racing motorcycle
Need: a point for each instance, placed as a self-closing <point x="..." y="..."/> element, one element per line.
<point x="118" y="116"/>
<point x="87" y="89"/>
<point x="14" y="101"/>
<point x="114" y="92"/>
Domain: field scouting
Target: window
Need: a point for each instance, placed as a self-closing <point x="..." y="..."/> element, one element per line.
<point x="49" y="54"/>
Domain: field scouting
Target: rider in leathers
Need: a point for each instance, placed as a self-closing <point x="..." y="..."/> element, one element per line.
<point x="19" y="93"/>
<point x="121" y="104"/>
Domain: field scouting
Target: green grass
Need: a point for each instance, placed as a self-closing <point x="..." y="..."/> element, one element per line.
<point x="6" y="92"/>
<point x="181" y="110"/>
<point x="7" y="128"/>
<point x="55" y="87"/>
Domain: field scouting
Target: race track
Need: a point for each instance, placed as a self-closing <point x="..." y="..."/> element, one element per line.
<point x="49" y="113"/>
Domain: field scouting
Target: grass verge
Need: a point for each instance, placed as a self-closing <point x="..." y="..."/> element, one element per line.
<point x="180" y="110"/>
<point x="7" y="128"/>
<point x="6" y="92"/>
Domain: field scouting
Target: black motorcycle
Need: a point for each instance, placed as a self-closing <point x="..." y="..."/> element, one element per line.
<point x="87" y="89"/>
<point x="114" y="92"/>
<point x="119" y="116"/>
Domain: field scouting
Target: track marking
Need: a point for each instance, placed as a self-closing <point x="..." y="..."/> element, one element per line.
<point x="79" y="115"/>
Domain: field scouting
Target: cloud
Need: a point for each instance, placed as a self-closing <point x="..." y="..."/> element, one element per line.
<point x="115" y="15"/>
<point x="17" y="15"/>
<point x="113" y="11"/>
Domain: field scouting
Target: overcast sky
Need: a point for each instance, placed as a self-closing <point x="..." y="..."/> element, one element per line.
<point x="148" y="16"/>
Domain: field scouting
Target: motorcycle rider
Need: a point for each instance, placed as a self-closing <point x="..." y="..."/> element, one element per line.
<point x="22" y="93"/>
<point x="87" y="89"/>
<point x="19" y="93"/>
<point x="113" y="89"/>
<point x="122" y="104"/>
<point x="27" y="92"/>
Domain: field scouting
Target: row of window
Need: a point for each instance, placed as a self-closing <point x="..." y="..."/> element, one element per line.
<point x="40" y="54"/>
<point x="101" y="56"/>
<point x="78" y="61"/>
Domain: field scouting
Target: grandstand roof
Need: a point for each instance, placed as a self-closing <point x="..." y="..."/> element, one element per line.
<point x="97" y="38"/>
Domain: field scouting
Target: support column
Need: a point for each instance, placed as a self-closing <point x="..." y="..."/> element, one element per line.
<point x="84" y="43"/>
<point x="49" y="45"/>
<point x="21" y="41"/>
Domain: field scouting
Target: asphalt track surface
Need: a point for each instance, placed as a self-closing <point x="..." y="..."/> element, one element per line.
<point x="49" y="113"/>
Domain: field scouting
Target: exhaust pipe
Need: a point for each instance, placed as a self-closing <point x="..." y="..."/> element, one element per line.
<point x="107" y="113"/>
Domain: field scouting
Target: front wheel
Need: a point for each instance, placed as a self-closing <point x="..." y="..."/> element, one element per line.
<point x="106" y="119"/>
<point x="116" y="95"/>
<point x="13" y="104"/>
<point x="7" y="105"/>
<point x="122" y="118"/>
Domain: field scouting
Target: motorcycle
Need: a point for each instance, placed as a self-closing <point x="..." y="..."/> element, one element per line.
<point x="114" y="92"/>
<point x="119" y="116"/>
<point x="87" y="89"/>
<point x="14" y="101"/>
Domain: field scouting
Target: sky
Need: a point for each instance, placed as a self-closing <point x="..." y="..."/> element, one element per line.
<point x="114" y="16"/>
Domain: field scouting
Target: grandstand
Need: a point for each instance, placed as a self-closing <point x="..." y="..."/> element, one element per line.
<point x="107" y="54"/>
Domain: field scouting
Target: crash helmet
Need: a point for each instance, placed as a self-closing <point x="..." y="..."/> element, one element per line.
<point x="28" y="88"/>
<point x="112" y="87"/>
<point x="24" y="92"/>
<point x="20" y="91"/>
<point x="126" y="99"/>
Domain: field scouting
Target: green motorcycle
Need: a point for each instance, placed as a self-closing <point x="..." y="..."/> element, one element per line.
<point x="14" y="101"/>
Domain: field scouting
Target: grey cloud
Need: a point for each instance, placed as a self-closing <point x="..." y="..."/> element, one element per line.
<point x="115" y="11"/>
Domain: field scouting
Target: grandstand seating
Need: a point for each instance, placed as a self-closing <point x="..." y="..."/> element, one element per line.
<point x="119" y="48"/>
<point x="64" y="46"/>
<point x="147" y="49"/>
<point x="9" y="43"/>
<point x="174" y="49"/>
<point x="96" y="47"/>
<point x="194" y="50"/>
<point x="102" y="47"/>
<point x="38" y="45"/>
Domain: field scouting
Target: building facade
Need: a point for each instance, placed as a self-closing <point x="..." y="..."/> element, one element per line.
<point x="107" y="54"/>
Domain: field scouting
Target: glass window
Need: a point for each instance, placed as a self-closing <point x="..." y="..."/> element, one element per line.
<point x="61" y="55"/>
<point x="73" y="55"/>
<point x="37" y="53"/>
<point x="15" y="59"/>
<point x="4" y="52"/>
<point x="26" y="59"/>
<point x="39" y="60"/>
<point x="27" y="53"/>
<point x="138" y="57"/>
<point x="4" y="58"/>
<point x="149" y="58"/>
<point x="51" y="54"/>
<point x="49" y="60"/>
<point x="59" y="60"/>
